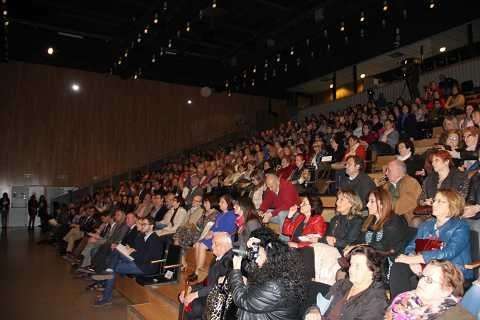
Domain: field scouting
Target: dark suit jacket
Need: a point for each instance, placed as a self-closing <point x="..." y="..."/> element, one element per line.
<point x="130" y="236"/>
<point x="197" y="192"/>
<point x="118" y="233"/>
<point x="217" y="269"/>
<point x="146" y="252"/>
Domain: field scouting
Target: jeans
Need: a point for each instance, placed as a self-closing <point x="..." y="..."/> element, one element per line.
<point x="470" y="300"/>
<point x="123" y="266"/>
<point x="280" y="219"/>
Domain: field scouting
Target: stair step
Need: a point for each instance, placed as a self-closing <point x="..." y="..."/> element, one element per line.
<point x="148" y="311"/>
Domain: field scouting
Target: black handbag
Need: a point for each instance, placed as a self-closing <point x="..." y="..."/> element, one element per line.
<point x="220" y="304"/>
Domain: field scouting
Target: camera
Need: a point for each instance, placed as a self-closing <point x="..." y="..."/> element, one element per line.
<point x="251" y="254"/>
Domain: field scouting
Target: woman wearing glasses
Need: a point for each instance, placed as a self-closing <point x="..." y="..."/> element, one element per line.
<point x="439" y="288"/>
<point x="447" y="230"/>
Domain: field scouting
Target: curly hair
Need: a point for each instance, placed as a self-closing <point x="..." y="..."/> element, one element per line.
<point x="374" y="260"/>
<point x="281" y="266"/>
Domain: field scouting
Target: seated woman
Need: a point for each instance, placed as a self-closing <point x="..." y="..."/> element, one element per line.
<point x="447" y="230"/>
<point x="453" y="143"/>
<point x="468" y="156"/>
<point x="361" y="296"/>
<point x="355" y="148"/>
<point x="440" y="288"/>
<point x="225" y="221"/>
<point x="406" y="153"/>
<point x="272" y="290"/>
<point x="456" y="102"/>
<point x="189" y="234"/>
<point x="247" y="221"/>
<point x="444" y="176"/>
<point x="344" y="229"/>
<point x="383" y="230"/>
<point x="305" y="226"/>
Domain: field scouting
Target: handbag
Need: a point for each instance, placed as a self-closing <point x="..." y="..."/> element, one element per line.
<point x="220" y="304"/>
<point x="427" y="245"/>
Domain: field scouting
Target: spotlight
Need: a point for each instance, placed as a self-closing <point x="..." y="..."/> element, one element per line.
<point x="154" y="58"/>
<point x="227" y="84"/>
<point x="5" y="12"/>
<point x="432" y="4"/>
<point x="253" y="83"/>
<point x="169" y="43"/>
<point x="278" y="57"/>
<point x="362" y="17"/>
<point x="214" y="4"/>
<point x="331" y="85"/>
<point x="139" y="38"/>
<point x="125" y="54"/>
<point x="189" y="101"/>
<point x="342" y="26"/>
<point x="266" y="63"/>
<point x="385" y="6"/>
<point x="362" y="76"/>
<point x="254" y="69"/>
<point x="135" y="76"/>
<point x="165" y="5"/>
<point x="188" y="27"/>
<point x="292" y="51"/>
<point x="145" y="30"/>
<point x="285" y="68"/>
<point x="50" y="51"/>
<point x="162" y="51"/>
<point x="155" y="18"/>
<point x="443" y="49"/>
<point x="119" y="61"/>
<point x="75" y="87"/>
<point x="6" y="23"/>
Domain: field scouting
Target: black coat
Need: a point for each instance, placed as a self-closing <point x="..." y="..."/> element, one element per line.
<point x="361" y="185"/>
<point x="146" y="252"/>
<point x="368" y="305"/>
<point x="414" y="163"/>
<point x="261" y="302"/>
<point x="129" y="238"/>
<point x="217" y="269"/>
<point x="474" y="193"/>
<point x="455" y="180"/>
<point x="393" y="235"/>
<point x="345" y="230"/>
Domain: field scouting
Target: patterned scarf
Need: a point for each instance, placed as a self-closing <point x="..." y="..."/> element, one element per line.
<point x="408" y="306"/>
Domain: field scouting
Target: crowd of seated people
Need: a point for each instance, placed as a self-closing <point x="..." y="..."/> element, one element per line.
<point x="398" y="239"/>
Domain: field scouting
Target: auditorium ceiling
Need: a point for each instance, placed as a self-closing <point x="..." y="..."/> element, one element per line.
<point x="259" y="47"/>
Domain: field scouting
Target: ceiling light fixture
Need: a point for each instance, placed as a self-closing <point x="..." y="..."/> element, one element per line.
<point x="75" y="87"/>
<point x="362" y="76"/>
<point x="155" y="18"/>
<point x="331" y="85"/>
<point x="292" y="51"/>
<point x="189" y="101"/>
<point x="342" y="26"/>
<point x="443" y="49"/>
<point x="50" y="50"/>
<point x="362" y="17"/>
<point x="188" y="27"/>
<point x="385" y="6"/>
<point x="432" y="4"/>
<point x="214" y="4"/>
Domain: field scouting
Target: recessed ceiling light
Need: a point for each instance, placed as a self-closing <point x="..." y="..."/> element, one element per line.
<point x="75" y="87"/>
<point x="50" y="51"/>
<point x="331" y="85"/>
<point x="443" y="49"/>
<point x="363" y="76"/>
<point x="189" y="101"/>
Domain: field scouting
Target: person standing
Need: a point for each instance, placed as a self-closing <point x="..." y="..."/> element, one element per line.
<point x="43" y="213"/>
<point x="4" y="209"/>
<point x="32" y="211"/>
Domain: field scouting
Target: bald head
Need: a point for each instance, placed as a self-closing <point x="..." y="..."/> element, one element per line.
<point x="222" y="243"/>
<point x="396" y="170"/>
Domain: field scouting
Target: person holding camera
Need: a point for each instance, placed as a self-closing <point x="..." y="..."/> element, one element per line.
<point x="272" y="290"/>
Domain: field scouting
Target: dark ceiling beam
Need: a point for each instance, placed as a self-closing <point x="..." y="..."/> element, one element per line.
<point x="57" y="29"/>
<point x="202" y="43"/>
<point x="273" y="4"/>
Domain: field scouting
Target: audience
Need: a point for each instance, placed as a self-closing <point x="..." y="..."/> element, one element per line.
<point x="258" y="180"/>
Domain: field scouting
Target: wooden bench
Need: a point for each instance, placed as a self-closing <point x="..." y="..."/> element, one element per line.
<point x="382" y="161"/>
<point x="131" y="290"/>
<point x="329" y="205"/>
<point x="423" y="145"/>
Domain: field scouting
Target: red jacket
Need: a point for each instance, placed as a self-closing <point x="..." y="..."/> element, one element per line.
<point x="315" y="225"/>
<point x="287" y="197"/>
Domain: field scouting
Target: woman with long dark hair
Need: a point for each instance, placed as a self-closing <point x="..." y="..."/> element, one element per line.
<point x="275" y="280"/>
<point x="4" y="209"/>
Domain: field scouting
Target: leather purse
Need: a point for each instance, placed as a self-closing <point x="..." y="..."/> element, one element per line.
<point x="427" y="245"/>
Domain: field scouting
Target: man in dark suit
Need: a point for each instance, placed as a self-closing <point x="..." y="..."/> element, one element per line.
<point x="159" y="208"/>
<point x="195" y="190"/>
<point x="222" y="249"/>
<point x="145" y="251"/>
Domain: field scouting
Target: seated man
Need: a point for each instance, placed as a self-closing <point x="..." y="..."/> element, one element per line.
<point x="403" y="189"/>
<point x="355" y="179"/>
<point x="146" y="250"/>
<point x="197" y="298"/>
<point x="277" y="200"/>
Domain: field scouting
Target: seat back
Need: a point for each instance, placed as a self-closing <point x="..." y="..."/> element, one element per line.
<point x="174" y="255"/>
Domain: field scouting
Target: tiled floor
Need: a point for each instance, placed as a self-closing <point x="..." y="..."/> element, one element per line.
<point x="36" y="283"/>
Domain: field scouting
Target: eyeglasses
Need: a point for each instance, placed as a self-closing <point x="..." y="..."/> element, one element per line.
<point x="428" y="279"/>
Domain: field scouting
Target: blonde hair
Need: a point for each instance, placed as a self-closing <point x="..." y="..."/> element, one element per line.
<point x="456" y="203"/>
<point x="354" y="200"/>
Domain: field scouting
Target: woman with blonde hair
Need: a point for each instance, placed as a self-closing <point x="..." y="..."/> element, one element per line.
<point x="344" y="229"/>
<point x="445" y="237"/>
